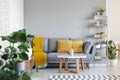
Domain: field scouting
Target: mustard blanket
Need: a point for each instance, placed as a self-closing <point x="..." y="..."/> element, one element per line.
<point x="39" y="55"/>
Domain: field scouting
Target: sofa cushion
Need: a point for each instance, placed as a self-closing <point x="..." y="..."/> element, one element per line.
<point x="77" y="46"/>
<point x="87" y="47"/>
<point x="64" y="46"/>
<point x="52" y="44"/>
<point x="45" y="45"/>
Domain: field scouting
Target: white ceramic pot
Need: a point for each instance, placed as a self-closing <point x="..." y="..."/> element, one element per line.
<point x="113" y="62"/>
<point x="103" y="45"/>
<point x="19" y="66"/>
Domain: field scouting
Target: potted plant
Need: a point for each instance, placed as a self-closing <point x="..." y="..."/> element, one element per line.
<point x="112" y="53"/>
<point x="16" y="55"/>
<point x="102" y="34"/>
<point x="101" y="10"/>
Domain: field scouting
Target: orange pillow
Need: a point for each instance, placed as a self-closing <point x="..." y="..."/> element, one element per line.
<point x="77" y="46"/>
<point x="64" y="46"/>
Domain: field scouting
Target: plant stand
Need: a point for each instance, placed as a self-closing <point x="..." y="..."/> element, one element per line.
<point x="29" y="64"/>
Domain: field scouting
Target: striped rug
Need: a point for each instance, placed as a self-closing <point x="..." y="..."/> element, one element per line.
<point x="84" y="77"/>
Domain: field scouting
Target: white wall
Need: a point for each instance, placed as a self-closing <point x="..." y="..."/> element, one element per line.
<point x="113" y="12"/>
<point x="60" y="18"/>
<point x="11" y="17"/>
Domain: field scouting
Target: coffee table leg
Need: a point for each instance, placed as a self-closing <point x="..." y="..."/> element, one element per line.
<point x="66" y="64"/>
<point x="82" y="63"/>
<point x="60" y="66"/>
<point x="77" y="65"/>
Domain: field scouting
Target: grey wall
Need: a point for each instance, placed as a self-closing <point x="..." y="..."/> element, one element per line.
<point x="60" y="18"/>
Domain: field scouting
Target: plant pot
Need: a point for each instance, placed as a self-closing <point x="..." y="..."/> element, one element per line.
<point x="113" y="62"/>
<point x="19" y="66"/>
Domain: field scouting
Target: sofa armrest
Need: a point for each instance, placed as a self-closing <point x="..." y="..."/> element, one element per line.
<point x="93" y="52"/>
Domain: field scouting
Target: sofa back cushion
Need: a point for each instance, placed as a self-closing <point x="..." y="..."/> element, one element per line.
<point x="77" y="46"/>
<point x="45" y="45"/>
<point x="87" y="47"/>
<point x="64" y="46"/>
<point x="52" y="44"/>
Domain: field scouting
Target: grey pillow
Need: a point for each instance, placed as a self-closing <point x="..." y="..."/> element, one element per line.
<point x="87" y="47"/>
<point x="52" y="44"/>
<point x="45" y="45"/>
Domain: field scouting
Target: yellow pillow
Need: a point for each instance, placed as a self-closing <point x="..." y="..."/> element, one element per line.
<point x="64" y="46"/>
<point x="77" y="46"/>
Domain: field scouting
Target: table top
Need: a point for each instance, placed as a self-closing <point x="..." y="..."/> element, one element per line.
<point x="76" y="55"/>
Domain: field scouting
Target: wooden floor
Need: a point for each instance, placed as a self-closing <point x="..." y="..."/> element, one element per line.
<point x="43" y="74"/>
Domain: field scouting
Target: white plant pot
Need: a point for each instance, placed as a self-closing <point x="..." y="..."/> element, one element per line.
<point x="103" y="45"/>
<point x="113" y="62"/>
<point x="19" y="66"/>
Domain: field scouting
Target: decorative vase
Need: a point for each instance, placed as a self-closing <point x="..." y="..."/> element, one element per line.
<point x="113" y="62"/>
<point x="71" y="52"/>
<point x="19" y="66"/>
<point x="97" y="13"/>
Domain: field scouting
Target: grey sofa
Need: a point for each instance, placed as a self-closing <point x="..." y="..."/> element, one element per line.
<point x="50" y="47"/>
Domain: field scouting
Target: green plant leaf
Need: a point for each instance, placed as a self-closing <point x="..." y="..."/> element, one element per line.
<point x="30" y="36"/>
<point x="8" y="38"/>
<point x="110" y="42"/>
<point x="19" y="36"/>
<point x="14" y="55"/>
<point x="5" y="56"/>
<point x="23" y="47"/>
<point x="26" y="76"/>
<point x="0" y="46"/>
<point x="23" y="56"/>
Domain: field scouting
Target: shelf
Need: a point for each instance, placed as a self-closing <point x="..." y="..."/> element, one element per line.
<point x="100" y="46"/>
<point x="99" y="37"/>
<point x="100" y="17"/>
<point x="100" y="57"/>
<point x="100" y="26"/>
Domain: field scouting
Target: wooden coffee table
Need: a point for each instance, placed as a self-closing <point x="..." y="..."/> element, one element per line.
<point x="76" y="57"/>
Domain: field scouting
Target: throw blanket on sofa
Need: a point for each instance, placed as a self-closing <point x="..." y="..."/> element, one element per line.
<point x="39" y="55"/>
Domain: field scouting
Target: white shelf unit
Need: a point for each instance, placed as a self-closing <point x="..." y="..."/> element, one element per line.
<point x="100" y="34"/>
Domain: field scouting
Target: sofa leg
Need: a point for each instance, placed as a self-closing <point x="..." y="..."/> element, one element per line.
<point x="87" y="64"/>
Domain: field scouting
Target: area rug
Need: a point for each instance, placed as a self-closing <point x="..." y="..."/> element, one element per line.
<point x="84" y="77"/>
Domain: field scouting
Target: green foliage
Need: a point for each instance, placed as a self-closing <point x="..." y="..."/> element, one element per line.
<point x="24" y="40"/>
<point x="13" y="75"/>
<point x="101" y="9"/>
<point x="111" y="50"/>
<point x="0" y="46"/>
<point x="15" y="54"/>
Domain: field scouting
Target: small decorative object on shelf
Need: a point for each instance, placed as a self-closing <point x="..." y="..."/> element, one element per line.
<point x="100" y="35"/>
<point x="71" y="52"/>
<point x="97" y="23"/>
<point x="97" y="45"/>
<point x="102" y="44"/>
<point x="100" y="11"/>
